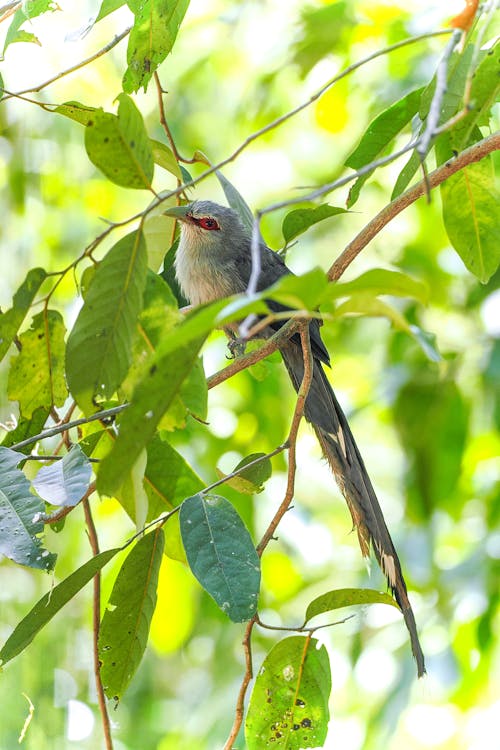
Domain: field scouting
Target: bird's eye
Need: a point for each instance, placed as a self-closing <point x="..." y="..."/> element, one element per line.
<point x="208" y="223"/>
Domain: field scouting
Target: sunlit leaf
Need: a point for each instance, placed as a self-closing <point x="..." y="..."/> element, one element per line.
<point x="132" y="494"/>
<point x="36" y="375"/>
<point x="250" y="480"/>
<point x="164" y="157"/>
<point x="11" y="320"/>
<point x="151" y="39"/>
<point x="125" y="625"/>
<point x="99" y="346"/>
<point x="78" y="112"/>
<point x="364" y="303"/>
<point x="65" y="482"/>
<point x="346" y="598"/>
<point x="20" y="510"/>
<point x="26" y="11"/>
<point x="119" y="145"/>
<point x="299" y="220"/>
<point x="289" y="702"/>
<point x="382" y="281"/>
<point x="221" y="554"/>
<point x="107" y="7"/>
<point x="50" y="604"/>
<point x="27" y="428"/>
<point x="321" y="31"/>
<point x="301" y="292"/>
<point x="168" y="479"/>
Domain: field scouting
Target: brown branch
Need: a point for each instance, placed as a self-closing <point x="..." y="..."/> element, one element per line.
<point x="240" y="703"/>
<point x="471" y="155"/>
<point x="96" y="620"/>
<point x="165" y="126"/>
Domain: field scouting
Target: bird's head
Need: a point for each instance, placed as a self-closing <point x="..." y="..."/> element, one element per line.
<point x="208" y="224"/>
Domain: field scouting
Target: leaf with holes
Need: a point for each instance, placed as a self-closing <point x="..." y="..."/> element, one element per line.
<point x="119" y="145"/>
<point x="125" y="625"/>
<point x="50" y="604"/>
<point x="65" y="482"/>
<point x="20" y="511"/>
<point x="221" y="554"/>
<point x="11" y="320"/>
<point x="346" y="598"/>
<point x="36" y="375"/>
<point x="152" y="37"/>
<point x="99" y="346"/>
<point x="289" y="702"/>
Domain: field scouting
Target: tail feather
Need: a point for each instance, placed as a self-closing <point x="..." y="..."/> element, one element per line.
<point x="339" y="448"/>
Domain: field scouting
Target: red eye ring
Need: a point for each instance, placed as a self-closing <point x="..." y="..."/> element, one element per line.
<point x="207" y="223"/>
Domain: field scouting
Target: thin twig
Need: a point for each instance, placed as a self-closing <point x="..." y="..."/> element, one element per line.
<point x="165" y="126"/>
<point x="53" y="458"/>
<point x="78" y="66"/>
<point x="96" y="621"/>
<point x="302" y="628"/>
<point x="240" y="703"/>
<point x="471" y="155"/>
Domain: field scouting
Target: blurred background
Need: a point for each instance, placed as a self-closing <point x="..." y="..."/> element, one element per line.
<point x="428" y="430"/>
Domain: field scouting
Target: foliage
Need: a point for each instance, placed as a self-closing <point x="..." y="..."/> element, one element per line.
<point x="94" y="328"/>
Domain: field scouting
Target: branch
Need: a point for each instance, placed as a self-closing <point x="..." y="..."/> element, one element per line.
<point x="471" y="155"/>
<point x="240" y="703"/>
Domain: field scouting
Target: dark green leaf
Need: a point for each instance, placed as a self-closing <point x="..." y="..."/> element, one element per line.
<point x="221" y="554"/>
<point x="98" y="351"/>
<point x="36" y="375"/>
<point x="299" y="220"/>
<point x="379" y="134"/>
<point x="237" y="202"/>
<point x="27" y="428"/>
<point x="406" y="175"/>
<point x="346" y="598"/>
<point x="20" y="510"/>
<point x="164" y="157"/>
<point x="78" y="112"/>
<point x="382" y="281"/>
<point x="125" y="625"/>
<point x="11" y="320"/>
<point x="251" y="480"/>
<point x="107" y="7"/>
<point x="119" y="145"/>
<point x="151" y="39"/>
<point x="168" y="479"/>
<point x="45" y="609"/>
<point x="289" y="702"/>
<point x="65" y="482"/>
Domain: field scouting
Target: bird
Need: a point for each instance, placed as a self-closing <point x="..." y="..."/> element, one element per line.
<point x="214" y="260"/>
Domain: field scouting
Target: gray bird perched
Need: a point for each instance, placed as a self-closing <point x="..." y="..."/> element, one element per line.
<point x="213" y="260"/>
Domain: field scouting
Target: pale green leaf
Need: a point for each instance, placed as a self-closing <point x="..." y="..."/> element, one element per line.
<point x="346" y="598"/>
<point x="11" y="320"/>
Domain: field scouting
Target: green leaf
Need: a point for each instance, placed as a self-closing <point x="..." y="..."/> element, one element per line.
<point x="289" y="702"/>
<point x="36" y="375"/>
<point x="168" y="478"/>
<point x="65" y="482"/>
<point x="78" y="112"/>
<point x="151" y="398"/>
<point x="298" y="221"/>
<point x="382" y="281"/>
<point x="11" y="320"/>
<point x="99" y="346"/>
<point x="237" y="202"/>
<point x="29" y="9"/>
<point x="300" y="292"/>
<point x="321" y="33"/>
<point x="406" y="175"/>
<point x="379" y="134"/>
<point x="221" y="554"/>
<point x="119" y="145"/>
<point x="152" y="37"/>
<point x="132" y="494"/>
<point x="363" y="303"/>
<point x="20" y="510"/>
<point x="251" y="480"/>
<point x="50" y="604"/>
<point x="471" y="215"/>
<point x="27" y="428"/>
<point x="107" y="7"/>
<point x="125" y="625"/>
<point x="164" y="157"/>
<point x="346" y="598"/>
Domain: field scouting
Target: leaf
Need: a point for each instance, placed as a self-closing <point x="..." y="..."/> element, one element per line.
<point x="78" y="112"/>
<point x="298" y="221"/>
<point x="406" y="174"/>
<point x="299" y="292"/>
<point x="363" y="303"/>
<point x="11" y="320"/>
<point x="471" y="215"/>
<point x="132" y="495"/>
<point x="99" y="346"/>
<point x="346" y="598"/>
<point x="119" y="145"/>
<point x="168" y="478"/>
<point x="65" y="482"/>
<point x="151" y="39"/>
<point x="27" y="428"/>
<point x="107" y="7"/>
<point x="221" y="554"/>
<point x="382" y="281"/>
<point x="289" y="702"/>
<point x="151" y="398"/>
<point x="50" y="604"/>
<point x="237" y="202"/>
<point x="36" y="375"/>
<point x="379" y="134"/>
<point x="28" y="10"/>
<point x="251" y="480"/>
<point x="125" y="625"/>
<point x="164" y="157"/>
<point x="321" y="33"/>
<point x="20" y="510"/>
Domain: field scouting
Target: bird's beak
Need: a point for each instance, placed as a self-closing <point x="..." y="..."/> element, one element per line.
<point x="178" y="212"/>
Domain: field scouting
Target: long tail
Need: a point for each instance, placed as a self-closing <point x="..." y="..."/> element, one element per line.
<point x="340" y="450"/>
